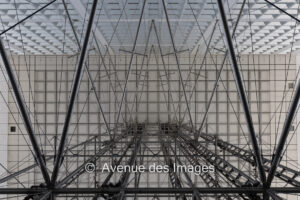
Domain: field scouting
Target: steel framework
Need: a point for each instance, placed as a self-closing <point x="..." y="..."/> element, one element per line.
<point x="179" y="142"/>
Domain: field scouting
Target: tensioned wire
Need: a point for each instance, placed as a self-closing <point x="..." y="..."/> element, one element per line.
<point x="229" y="99"/>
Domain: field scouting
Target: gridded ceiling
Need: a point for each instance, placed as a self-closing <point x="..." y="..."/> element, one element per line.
<point x="262" y="28"/>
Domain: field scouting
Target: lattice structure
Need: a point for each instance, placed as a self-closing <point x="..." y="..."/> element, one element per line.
<point x="149" y="83"/>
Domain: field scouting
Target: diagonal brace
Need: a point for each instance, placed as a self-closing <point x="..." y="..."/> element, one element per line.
<point x="242" y="92"/>
<point x="74" y="92"/>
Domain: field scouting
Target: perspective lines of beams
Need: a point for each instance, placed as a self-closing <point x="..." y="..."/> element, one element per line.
<point x="149" y="99"/>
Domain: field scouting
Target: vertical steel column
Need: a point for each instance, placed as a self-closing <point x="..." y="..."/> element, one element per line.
<point x="24" y="113"/>
<point x="242" y="92"/>
<point x="177" y="63"/>
<point x="285" y="132"/>
<point x="86" y="68"/>
<point x="74" y="92"/>
<point x="130" y="62"/>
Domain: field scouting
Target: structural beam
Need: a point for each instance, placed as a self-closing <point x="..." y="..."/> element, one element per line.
<point x="196" y="194"/>
<point x="242" y="92"/>
<point x="164" y="65"/>
<point x="24" y="113"/>
<point x="106" y="70"/>
<point x="153" y="190"/>
<point x="202" y="64"/>
<point x="125" y="176"/>
<point x="284" y="134"/>
<point x="87" y="69"/>
<point x="281" y="10"/>
<point x="232" y="174"/>
<point x="205" y="35"/>
<point x="289" y="175"/>
<point x="27" y="17"/>
<point x="111" y="173"/>
<point x="142" y="66"/>
<point x="177" y="62"/>
<point x="220" y="71"/>
<point x="81" y="169"/>
<point x="174" y="178"/>
<point x="206" y="177"/>
<point x="73" y="94"/>
<point x="130" y="62"/>
<point x="80" y="8"/>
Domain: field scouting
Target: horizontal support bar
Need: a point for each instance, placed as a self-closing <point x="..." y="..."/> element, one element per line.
<point x="126" y="51"/>
<point x="160" y="190"/>
<point x="168" y="54"/>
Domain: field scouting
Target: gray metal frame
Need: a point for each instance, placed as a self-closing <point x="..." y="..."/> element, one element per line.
<point x="247" y="187"/>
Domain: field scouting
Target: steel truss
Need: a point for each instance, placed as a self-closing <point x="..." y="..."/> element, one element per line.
<point x="286" y="174"/>
<point x="234" y="175"/>
<point x="242" y="185"/>
<point x="208" y="179"/>
<point x="174" y="178"/>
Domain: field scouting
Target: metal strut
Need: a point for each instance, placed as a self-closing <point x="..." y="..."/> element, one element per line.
<point x="220" y="71"/>
<point x="177" y="63"/>
<point x="174" y="178"/>
<point x="233" y="174"/>
<point x="123" y="182"/>
<point x="242" y="93"/>
<point x="285" y="132"/>
<point x="111" y="173"/>
<point x="130" y="63"/>
<point x="73" y="95"/>
<point x="196" y="194"/>
<point x="206" y="177"/>
<point x="286" y="174"/>
<point x="81" y="169"/>
<point x="87" y="69"/>
<point x="29" y="16"/>
<point x="151" y="190"/>
<point x="41" y="162"/>
<point x="136" y="130"/>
